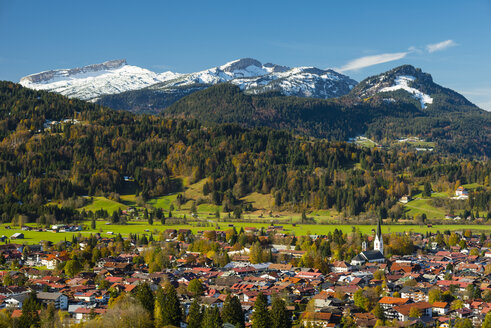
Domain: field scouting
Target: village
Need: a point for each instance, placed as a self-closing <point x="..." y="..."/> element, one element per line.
<point x="443" y="282"/>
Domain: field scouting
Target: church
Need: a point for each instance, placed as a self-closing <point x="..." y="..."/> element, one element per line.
<point x="373" y="256"/>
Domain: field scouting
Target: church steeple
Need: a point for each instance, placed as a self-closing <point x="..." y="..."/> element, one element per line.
<point x="379" y="241"/>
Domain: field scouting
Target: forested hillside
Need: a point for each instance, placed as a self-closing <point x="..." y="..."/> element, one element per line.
<point x="90" y="150"/>
<point x="464" y="130"/>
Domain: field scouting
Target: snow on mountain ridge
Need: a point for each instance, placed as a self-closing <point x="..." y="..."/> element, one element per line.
<point x="402" y="82"/>
<point x="46" y="76"/>
<point x="93" y="81"/>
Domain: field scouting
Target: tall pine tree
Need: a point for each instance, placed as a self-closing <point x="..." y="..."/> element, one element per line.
<point x="30" y="315"/>
<point x="145" y="296"/>
<point x="212" y="318"/>
<point x="195" y="316"/>
<point x="260" y="313"/>
<point x="159" y="308"/>
<point x="172" y="313"/>
<point x="232" y="312"/>
<point x="280" y="318"/>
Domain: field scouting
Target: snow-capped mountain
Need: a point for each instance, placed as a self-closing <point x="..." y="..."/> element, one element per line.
<point x="300" y="82"/>
<point x="92" y="81"/>
<point x="253" y="77"/>
<point x="414" y="84"/>
<point x="106" y="81"/>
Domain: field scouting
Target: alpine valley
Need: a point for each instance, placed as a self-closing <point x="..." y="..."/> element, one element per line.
<point x="387" y="108"/>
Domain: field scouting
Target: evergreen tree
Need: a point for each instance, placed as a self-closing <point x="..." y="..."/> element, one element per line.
<point x="232" y="312"/>
<point x="260" y="314"/>
<point x="427" y="189"/>
<point x="145" y="296"/>
<point x="195" y="316"/>
<point x="172" y="314"/>
<point x="280" y="318"/>
<point x="160" y="215"/>
<point x="30" y="316"/>
<point x="159" y="308"/>
<point x="211" y="318"/>
<point x="115" y="217"/>
<point x="378" y="312"/>
<point x="48" y="316"/>
<point x="92" y="224"/>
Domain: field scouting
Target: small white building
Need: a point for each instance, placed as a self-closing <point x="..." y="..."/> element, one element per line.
<point x="441" y="308"/>
<point x="16" y="301"/>
<point x="17" y="235"/>
<point x="341" y="266"/>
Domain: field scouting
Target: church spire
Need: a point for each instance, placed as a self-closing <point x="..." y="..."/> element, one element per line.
<point x="379" y="229"/>
<point x="379" y="240"/>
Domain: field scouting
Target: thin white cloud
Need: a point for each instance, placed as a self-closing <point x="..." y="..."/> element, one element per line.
<point x="367" y="61"/>
<point x="415" y="49"/>
<point x="440" y="46"/>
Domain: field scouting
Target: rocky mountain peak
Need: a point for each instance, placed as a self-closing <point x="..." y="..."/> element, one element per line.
<point x="50" y="75"/>
<point x="240" y="64"/>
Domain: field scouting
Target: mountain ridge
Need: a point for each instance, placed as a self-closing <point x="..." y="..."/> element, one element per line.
<point x="415" y="82"/>
<point x="389" y="111"/>
<point x="248" y="73"/>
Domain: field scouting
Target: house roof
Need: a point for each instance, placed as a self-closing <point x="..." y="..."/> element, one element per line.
<point x="405" y="308"/>
<point x="440" y="305"/>
<point x="48" y="296"/>
<point x="372" y="255"/>
<point x="393" y="300"/>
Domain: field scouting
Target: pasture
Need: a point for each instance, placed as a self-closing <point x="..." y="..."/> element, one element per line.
<point x="139" y="227"/>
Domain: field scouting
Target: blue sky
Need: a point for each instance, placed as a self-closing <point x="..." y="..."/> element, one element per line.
<point x="449" y="39"/>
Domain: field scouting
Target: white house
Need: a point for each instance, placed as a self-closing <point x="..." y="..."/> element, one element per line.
<point x="441" y="308"/>
<point x="341" y="266"/>
<point x="16" y="301"/>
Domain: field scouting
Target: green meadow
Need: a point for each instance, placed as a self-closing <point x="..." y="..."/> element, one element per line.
<point x="140" y="227"/>
<point x="325" y="220"/>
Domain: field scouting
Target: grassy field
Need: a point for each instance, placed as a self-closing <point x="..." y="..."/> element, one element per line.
<point x="102" y="202"/>
<point x="262" y="204"/>
<point x="423" y="205"/>
<point x="195" y="190"/>
<point x="259" y="201"/>
<point x="365" y="142"/>
<point x="34" y="237"/>
<point x="163" y="202"/>
<point x="472" y="186"/>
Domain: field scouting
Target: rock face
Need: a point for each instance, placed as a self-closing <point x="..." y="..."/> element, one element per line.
<point x="122" y="86"/>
